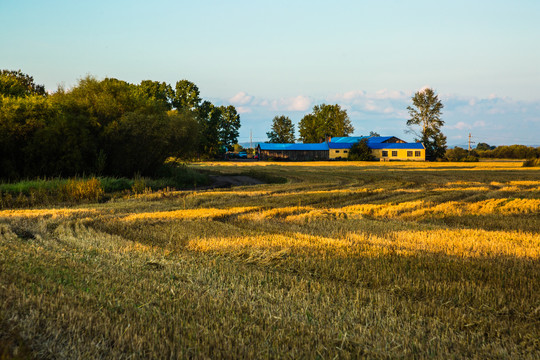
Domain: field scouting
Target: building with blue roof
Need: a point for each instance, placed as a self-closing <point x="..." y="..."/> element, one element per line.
<point x="384" y="148"/>
<point x="296" y="152"/>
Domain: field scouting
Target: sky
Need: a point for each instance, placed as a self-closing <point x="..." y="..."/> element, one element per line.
<point x="270" y="58"/>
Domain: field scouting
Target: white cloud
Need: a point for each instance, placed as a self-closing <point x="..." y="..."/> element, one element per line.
<point x="241" y="99"/>
<point x="299" y="103"/>
<point x="370" y="106"/>
<point x="243" y="109"/>
<point x="388" y="94"/>
<point x="351" y="95"/>
<point x="460" y="126"/>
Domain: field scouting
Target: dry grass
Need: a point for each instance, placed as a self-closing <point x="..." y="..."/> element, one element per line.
<point x="347" y="260"/>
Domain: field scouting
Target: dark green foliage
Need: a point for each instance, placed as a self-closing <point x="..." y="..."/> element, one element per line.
<point x="187" y="95"/>
<point x="282" y="130"/>
<point x="324" y="121"/>
<point x="483" y="146"/>
<point x="426" y="112"/>
<point x="139" y="143"/>
<point x="18" y="84"/>
<point x="209" y="123"/>
<point x="229" y="125"/>
<point x="361" y="152"/>
<point x="510" y="152"/>
<point x="161" y="92"/>
<point x="108" y="127"/>
<point x="460" y="154"/>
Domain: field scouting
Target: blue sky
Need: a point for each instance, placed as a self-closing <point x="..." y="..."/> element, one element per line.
<point x="283" y="57"/>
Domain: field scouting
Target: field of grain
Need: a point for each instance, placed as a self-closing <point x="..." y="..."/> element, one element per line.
<point x="345" y="260"/>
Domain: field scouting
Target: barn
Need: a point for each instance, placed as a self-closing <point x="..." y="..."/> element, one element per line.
<point x="295" y="152"/>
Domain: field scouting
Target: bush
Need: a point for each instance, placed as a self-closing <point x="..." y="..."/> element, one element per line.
<point x="79" y="189"/>
<point x="361" y="152"/>
<point x="531" y="163"/>
<point x="511" y="152"/>
<point x="460" y="154"/>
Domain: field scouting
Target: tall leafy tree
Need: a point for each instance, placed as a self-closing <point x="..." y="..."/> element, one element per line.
<point x="186" y="96"/>
<point x="325" y="120"/>
<point x="159" y="91"/>
<point x="426" y="113"/>
<point x="209" y="117"/>
<point x="282" y="130"/>
<point x="229" y="125"/>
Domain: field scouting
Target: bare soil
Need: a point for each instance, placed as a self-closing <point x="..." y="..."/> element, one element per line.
<point x="224" y="181"/>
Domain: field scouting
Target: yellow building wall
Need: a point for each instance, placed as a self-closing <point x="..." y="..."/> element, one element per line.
<point x="399" y="154"/>
<point x="378" y="153"/>
<point x="339" y="153"/>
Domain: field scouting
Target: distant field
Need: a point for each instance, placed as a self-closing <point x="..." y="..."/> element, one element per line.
<point x="345" y="260"/>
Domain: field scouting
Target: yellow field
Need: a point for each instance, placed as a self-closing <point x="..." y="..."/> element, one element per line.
<point x="345" y="260"/>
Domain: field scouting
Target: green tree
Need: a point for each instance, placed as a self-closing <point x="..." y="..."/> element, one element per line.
<point x="159" y="91"/>
<point x="361" y="152"/>
<point x="20" y="119"/>
<point x="140" y="143"/>
<point x="229" y="125"/>
<point x="17" y="84"/>
<point x="186" y="96"/>
<point x="374" y="133"/>
<point x="282" y="130"/>
<point x="484" y="146"/>
<point x="209" y="117"/>
<point x="426" y="112"/>
<point x="325" y="120"/>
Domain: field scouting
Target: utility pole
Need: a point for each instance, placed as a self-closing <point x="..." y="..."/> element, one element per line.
<point x="250" y="138"/>
<point x="470" y="142"/>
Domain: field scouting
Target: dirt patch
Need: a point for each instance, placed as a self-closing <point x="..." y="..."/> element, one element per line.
<point x="221" y="181"/>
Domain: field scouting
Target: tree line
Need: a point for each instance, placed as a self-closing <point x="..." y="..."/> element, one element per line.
<point x="106" y="127"/>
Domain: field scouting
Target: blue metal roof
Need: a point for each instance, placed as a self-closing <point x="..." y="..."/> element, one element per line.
<point x="342" y="143"/>
<point x="379" y="139"/>
<point x="333" y="145"/>
<point x="412" y="146"/>
<point x="297" y="147"/>
<point x="347" y="139"/>
<point x="378" y="145"/>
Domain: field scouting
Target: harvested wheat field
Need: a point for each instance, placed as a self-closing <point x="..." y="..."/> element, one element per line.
<point x="344" y="260"/>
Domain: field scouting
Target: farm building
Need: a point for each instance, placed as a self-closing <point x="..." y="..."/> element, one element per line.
<point x="296" y="152"/>
<point x="384" y="148"/>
